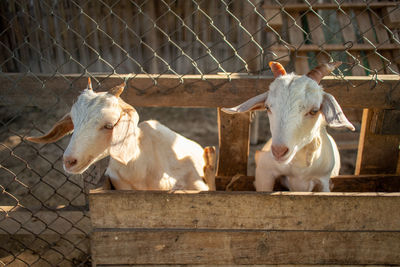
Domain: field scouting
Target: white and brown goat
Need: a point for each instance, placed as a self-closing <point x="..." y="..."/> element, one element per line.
<point x="301" y="153"/>
<point x="144" y="156"/>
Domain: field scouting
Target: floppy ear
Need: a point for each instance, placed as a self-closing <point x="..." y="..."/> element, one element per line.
<point x="254" y="103"/>
<point x="59" y="130"/>
<point x="124" y="137"/>
<point x="333" y="113"/>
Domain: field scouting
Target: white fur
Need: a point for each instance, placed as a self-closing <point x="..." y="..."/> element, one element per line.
<point x="313" y="157"/>
<point x="145" y="156"/>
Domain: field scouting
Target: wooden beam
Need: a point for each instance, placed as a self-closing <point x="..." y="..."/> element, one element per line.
<point x="335" y="47"/>
<point x="233" y="153"/>
<point x="246" y="210"/>
<point x="305" y="7"/>
<point x="189" y="90"/>
<point x="160" y="246"/>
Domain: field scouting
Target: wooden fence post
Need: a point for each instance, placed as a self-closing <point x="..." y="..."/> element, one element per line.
<point x="233" y="143"/>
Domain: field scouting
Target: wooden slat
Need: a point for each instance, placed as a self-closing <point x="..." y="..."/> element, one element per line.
<point x="274" y="17"/>
<point x="383" y="38"/>
<point x="376" y="153"/>
<point x="349" y="35"/>
<point x="244" y="247"/>
<point x="317" y="35"/>
<point x="342" y="183"/>
<point x="387" y="122"/>
<point x="195" y="90"/>
<point x="297" y="40"/>
<point x="392" y="16"/>
<point x="342" y="5"/>
<point x="245" y="210"/>
<point x="336" y="47"/>
<point x="234" y="131"/>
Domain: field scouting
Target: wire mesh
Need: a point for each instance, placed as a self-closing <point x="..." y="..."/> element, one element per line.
<point x="44" y="219"/>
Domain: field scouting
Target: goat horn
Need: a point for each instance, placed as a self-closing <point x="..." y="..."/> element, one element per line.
<point x="117" y="90"/>
<point x="89" y="84"/>
<point x="322" y="70"/>
<point x="277" y="69"/>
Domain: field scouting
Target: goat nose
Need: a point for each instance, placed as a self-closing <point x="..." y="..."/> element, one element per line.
<point x="70" y="162"/>
<point x="279" y="151"/>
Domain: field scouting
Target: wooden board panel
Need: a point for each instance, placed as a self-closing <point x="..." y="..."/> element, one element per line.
<point x="317" y="36"/>
<point x="343" y="5"/>
<point x="392" y="16"/>
<point x="244" y="247"/>
<point x="376" y="153"/>
<point x="245" y="210"/>
<point x="343" y="183"/>
<point x="349" y="35"/>
<point x="192" y="90"/>
<point x="233" y="133"/>
<point x="297" y="40"/>
<point x="383" y="38"/>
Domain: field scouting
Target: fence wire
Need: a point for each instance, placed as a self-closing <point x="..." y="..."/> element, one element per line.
<point x="44" y="219"/>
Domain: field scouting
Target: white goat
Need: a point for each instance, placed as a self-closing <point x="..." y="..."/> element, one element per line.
<point x="148" y="156"/>
<point x="304" y="156"/>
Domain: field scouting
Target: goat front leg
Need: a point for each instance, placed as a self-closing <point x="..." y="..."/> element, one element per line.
<point x="265" y="172"/>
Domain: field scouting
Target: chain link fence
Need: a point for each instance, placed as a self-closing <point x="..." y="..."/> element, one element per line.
<point x="44" y="217"/>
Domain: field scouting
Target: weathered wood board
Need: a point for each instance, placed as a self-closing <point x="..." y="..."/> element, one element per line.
<point x="246" y="210"/>
<point x="233" y="133"/>
<point x="159" y="246"/>
<point x="190" y="90"/>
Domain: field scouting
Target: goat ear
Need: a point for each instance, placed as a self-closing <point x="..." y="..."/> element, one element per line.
<point x="59" y="130"/>
<point x="254" y="103"/>
<point x="123" y="140"/>
<point x="333" y="113"/>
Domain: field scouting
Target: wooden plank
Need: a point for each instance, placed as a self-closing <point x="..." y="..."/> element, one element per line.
<point x="317" y="36"/>
<point x="392" y="16"/>
<point x="245" y="210"/>
<point x="190" y="90"/>
<point x="342" y="183"/>
<point x="233" y="133"/>
<point x="349" y="35"/>
<point x="386" y="122"/>
<point x="336" y="47"/>
<point x="382" y="36"/>
<point x="297" y="40"/>
<point x="251" y="48"/>
<point x="244" y="247"/>
<point x="342" y="5"/>
<point x="369" y="38"/>
<point x="274" y="17"/>
<point x="376" y="153"/>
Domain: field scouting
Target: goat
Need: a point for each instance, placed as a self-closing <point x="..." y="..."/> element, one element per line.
<point x="301" y="153"/>
<point x="144" y="156"/>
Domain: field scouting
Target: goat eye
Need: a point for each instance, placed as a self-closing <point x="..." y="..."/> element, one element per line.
<point x="109" y="126"/>
<point x="313" y="112"/>
<point x="267" y="108"/>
